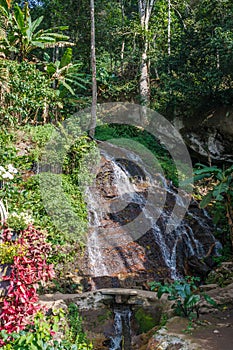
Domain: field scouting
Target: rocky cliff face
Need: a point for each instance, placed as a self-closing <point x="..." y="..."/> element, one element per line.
<point x="115" y="256"/>
<point x="210" y="138"/>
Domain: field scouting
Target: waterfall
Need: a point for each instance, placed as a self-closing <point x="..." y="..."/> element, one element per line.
<point x="127" y="206"/>
<point x="97" y="266"/>
<point x="121" y="340"/>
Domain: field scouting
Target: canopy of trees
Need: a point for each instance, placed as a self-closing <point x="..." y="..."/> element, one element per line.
<point x="173" y="56"/>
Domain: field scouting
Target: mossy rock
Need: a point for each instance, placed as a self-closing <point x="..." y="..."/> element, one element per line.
<point x="147" y="318"/>
<point x="222" y="276"/>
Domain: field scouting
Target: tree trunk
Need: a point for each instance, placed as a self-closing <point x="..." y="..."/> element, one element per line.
<point x="144" y="83"/>
<point x="169" y="34"/>
<point x="45" y="112"/>
<point x="123" y="40"/>
<point x="122" y="56"/>
<point x="3" y="213"/>
<point x="145" y="8"/>
<point x="92" y="125"/>
<point x="229" y="214"/>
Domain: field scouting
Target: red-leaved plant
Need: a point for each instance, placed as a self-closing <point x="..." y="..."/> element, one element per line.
<point x="28" y="269"/>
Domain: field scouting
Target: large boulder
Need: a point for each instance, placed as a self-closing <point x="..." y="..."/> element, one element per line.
<point x="210" y="138"/>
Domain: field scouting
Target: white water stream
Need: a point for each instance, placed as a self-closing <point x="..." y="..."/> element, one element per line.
<point x="97" y="265"/>
<point x="121" y="329"/>
<point x="129" y="191"/>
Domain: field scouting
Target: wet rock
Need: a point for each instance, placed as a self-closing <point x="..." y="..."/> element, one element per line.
<point x="53" y="306"/>
<point x="224" y="325"/>
<point x="211" y="137"/>
<point x="147" y="317"/>
<point x="100" y="298"/>
<point x="153" y="344"/>
<point x="222" y="275"/>
<point x="96" y="309"/>
<point x="105" y="180"/>
<point x="172" y="337"/>
<point x="130" y="250"/>
<point x="197" y="267"/>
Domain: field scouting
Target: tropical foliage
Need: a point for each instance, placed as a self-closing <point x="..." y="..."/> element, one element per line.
<point x="184" y="294"/>
<point x="183" y="51"/>
<point x="220" y="192"/>
<point x="20" y="34"/>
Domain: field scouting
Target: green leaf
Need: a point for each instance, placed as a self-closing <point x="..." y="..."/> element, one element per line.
<point x="67" y="57"/>
<point x="46" y="57"/>
<point x="207" y="170"/>
<point x="229" y="171"/>
<point x="19" y="16"/>
<point x="206" y="200"/>
<point x="210" y="300"/>
<point x="187" y="289"/>
<point x="154" y="285"/>
<point x="35" y="24"/>
<point x="29" y="338"/>
<point x="50" y="68"/>
<point x="221" y="188"/>
<point x="38" y="44"/>
<point x="68" y="87"/>
<point x="44" y="38"/>
<point x="202" y="176"/>
<point x="192" y="301"/>
<point x="56" y="35"/>
<point x="74" y="82"/>
<point x="162" y="290"/>
<point x="58" y="28"/>
<point x="220" y="176"/>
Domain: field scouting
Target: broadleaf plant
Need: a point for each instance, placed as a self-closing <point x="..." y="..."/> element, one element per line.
<point x="221" y="181"/>
<point x="185" y="295"/>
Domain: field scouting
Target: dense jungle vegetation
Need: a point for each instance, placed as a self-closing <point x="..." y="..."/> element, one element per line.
<point x="172" y="56"/>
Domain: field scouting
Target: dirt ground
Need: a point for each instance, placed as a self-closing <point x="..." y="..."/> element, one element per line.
<point x="213" y="332"/>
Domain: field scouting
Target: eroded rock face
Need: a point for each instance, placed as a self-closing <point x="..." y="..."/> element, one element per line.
<point x="222" y="275"/>
<point x="211" y="138"/>
<point x="116" y="256"/>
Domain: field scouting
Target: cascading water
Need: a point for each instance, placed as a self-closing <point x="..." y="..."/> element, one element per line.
<point x="129" y="212"/>
<point x="125" y="201"/>
<point x="97" y="266"/>
<point x="121" y="340"/>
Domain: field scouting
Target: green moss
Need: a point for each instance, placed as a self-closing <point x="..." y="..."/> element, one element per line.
<point x="144" y="144"/>
<point x="107" y="315"/>
<point x="146" y="319"/>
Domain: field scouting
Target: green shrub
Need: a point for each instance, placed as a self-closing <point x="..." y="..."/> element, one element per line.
<point x="41" y="334"/>
<point x="141" y="139"/>
<point x="18" y="222"/>
<point x="8" y="251"/>
<point x="28" y="92"/>
<point x="185" y="295"/>
<point x="24" y="194"/>
<point x="220" y="194"/>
